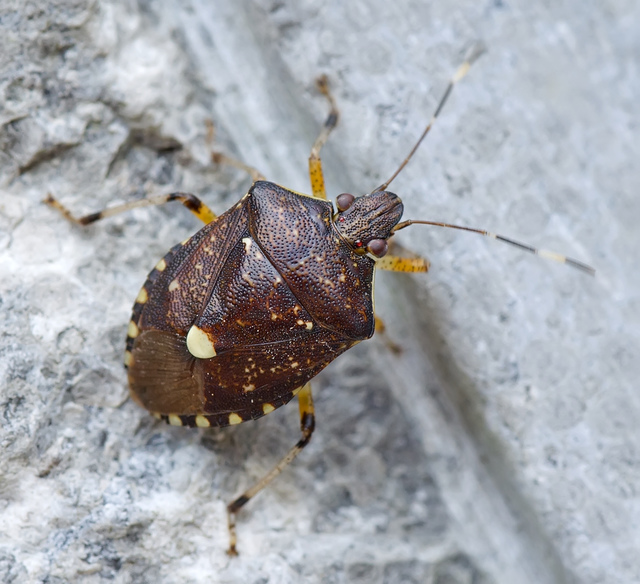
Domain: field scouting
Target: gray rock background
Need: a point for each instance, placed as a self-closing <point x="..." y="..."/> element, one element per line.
<point x="500" y="446"/>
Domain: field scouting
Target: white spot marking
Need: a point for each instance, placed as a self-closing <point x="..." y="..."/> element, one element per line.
<point x="142" y="296"/>
<point x="175" y="420"/>
<point x="133" y="330"/>
<point x="234" y="419"/>
<point x="267" y="408"/>
<point x="199" y="344"/>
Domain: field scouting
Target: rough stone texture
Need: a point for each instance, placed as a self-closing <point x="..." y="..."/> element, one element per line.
<point x="500" y="446"/>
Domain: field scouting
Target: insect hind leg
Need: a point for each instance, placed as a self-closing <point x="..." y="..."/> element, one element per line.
<point x="307" y="425"/>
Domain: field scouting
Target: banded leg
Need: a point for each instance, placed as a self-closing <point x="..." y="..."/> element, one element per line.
<point x="191" y="202"/>
<point x="307" y="425"/>
<point x="315" y="164"/>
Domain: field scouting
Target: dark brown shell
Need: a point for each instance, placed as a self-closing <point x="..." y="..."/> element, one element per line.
<point x="277" y="290"/>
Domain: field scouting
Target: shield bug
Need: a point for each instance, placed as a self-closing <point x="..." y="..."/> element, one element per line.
<point x="235" y="321"/>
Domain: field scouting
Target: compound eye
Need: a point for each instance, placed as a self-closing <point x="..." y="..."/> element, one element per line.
<point x="344" y="201"/>
<point x="378" y="247"/>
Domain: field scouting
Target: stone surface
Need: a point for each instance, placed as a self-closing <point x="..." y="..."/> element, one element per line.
<point x="500" y="446"/>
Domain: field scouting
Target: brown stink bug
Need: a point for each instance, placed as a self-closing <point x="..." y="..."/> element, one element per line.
<point x="235" y="321"/>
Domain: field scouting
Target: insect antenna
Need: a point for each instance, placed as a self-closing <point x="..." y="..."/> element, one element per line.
<point x="472" y="54"/>
<point x="550" y="255"/>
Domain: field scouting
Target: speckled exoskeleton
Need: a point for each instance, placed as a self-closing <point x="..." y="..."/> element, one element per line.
<point x="235" y="321"/>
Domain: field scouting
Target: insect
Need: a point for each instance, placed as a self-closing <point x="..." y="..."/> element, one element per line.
<point x="237" y="320"/>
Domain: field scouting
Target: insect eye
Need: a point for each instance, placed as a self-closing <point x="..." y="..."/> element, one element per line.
<point x="344" y="201"/>
<point x="378" y="247"/>
<point x="358" y="243"/>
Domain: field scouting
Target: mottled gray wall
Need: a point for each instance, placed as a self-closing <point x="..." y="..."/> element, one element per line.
<point x="500" y="446"/>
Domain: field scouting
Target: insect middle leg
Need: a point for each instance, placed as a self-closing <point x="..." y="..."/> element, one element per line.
<point x="191" y="202"/>
<point x="315" y="164"/>
<point x="307" y="425"/>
